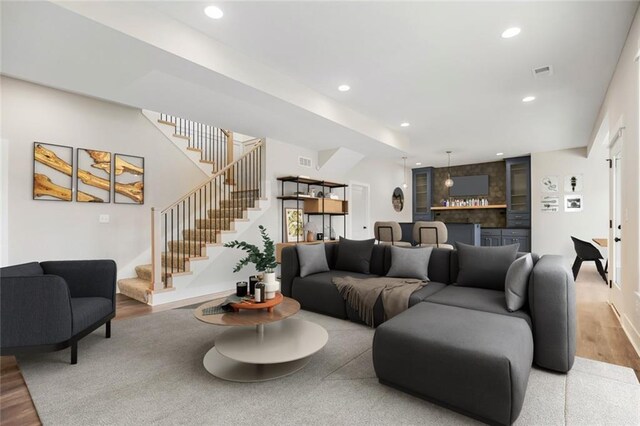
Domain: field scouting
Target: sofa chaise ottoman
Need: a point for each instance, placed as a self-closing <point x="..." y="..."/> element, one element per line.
<point x="474" y="362"/>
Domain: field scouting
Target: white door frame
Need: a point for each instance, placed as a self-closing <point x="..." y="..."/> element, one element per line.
<point x="4" y="202"/>
<point x="367" y="214"/>
<point x="616" y="297"/>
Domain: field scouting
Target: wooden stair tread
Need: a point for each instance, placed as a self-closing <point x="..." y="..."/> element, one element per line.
<point x="168" y="123"/>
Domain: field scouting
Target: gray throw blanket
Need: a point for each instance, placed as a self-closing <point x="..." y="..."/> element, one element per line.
<point x="362" y="293"/>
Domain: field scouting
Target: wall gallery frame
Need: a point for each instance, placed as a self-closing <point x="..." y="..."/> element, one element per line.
<point x="549" y="184"/>
<point x="573" y="203"/>
<point x="128" y="173"/>
<point x="52" y="172"/>
<point x="550" y="203"/>
<point x="294" y="225"/>
<point x="573" y="183"/>
<point x="93" y="176"/>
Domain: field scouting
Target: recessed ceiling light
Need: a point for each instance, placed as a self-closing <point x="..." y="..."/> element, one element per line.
<point x="213" y="12"/>
<point x="344" y="88"/>
<point x="405" y="124"/>
<point x="528" y="98"/>
<point x="418" y="164"/>
<point x="499" y="154"/>
<point x="510" y="32"/>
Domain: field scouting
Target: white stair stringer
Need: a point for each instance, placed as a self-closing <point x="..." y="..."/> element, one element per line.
<point x="183" y="285"/>
<point x="180" y="143"/>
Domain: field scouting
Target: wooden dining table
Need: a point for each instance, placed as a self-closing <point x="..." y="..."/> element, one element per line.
<point x="603" y="242"/>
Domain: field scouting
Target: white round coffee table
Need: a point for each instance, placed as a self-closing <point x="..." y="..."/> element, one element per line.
<point x="262" y="345"/>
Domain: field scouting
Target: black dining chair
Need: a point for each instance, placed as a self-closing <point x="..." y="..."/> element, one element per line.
<point x="587" y="252"/>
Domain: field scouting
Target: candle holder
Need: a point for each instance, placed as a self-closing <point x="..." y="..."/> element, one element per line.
<point x="253" y="280"/>
<point x="241" y="288"/>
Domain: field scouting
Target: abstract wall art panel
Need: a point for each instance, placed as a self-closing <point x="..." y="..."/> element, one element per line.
<point x="128" y="174"/>
<point x="52" y="172"/>
<point x="93" y="176"/>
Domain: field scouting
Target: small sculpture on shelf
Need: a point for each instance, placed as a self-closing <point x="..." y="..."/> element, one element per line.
<point x="310" y="231"/>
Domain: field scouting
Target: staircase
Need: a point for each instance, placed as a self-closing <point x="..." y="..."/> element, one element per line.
<point x="208" y="147"/>
<point x="189" y="229"/>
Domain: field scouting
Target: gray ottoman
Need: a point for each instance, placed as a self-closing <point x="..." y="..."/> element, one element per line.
<point x="474" y="362"/>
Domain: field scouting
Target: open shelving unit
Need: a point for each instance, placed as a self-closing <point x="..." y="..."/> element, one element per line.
<point x="312" y="206"/>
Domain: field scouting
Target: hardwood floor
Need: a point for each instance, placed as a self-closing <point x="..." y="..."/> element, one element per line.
<point x="599" y="337"/>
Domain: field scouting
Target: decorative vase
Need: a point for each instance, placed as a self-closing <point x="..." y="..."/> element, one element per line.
<point x="311" y="236"/>
<point x="268" y="277"/>
<point x="270" y="284"/>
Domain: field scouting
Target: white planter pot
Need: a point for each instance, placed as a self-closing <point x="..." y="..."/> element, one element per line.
<point x="270" y="284"/>
<point x="269" y="278"/>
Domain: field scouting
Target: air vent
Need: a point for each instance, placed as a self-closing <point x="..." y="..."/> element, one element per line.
<point x="304" y="161"/>
<point x="543" y="71"/>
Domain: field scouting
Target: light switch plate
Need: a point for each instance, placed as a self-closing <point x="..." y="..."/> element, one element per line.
<point x="103" y="218"/>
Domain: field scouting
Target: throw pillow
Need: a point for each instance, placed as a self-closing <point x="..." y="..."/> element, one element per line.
<point x="517" y="281"/>
<point x="354" y="255"/>
<point x="409" y="262"/>
<point x="484" y="267"/>
<point x="313" y="259"/>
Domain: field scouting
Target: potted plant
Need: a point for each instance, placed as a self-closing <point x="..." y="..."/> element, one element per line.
<point x="264" y="260"/>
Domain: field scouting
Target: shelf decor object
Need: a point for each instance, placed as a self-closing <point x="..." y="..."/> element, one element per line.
<point x="93" y="176"/>
<point x="294" y="224"/>
<point x="52" y="172"/>
<point x="128" y="172"/>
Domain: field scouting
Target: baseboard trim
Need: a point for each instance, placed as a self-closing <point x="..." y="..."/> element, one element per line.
<point x="632" y="333"/>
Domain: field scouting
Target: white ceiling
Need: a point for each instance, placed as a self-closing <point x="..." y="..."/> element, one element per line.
<point x="441" y="66"/>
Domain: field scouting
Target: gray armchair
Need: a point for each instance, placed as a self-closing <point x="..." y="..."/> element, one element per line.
<point x="50" y="306"/>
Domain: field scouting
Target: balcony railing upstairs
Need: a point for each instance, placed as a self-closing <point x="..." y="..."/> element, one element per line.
<point x="215" y="144"/>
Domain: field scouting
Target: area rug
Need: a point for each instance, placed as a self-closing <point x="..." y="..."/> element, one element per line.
<point x="151" y="372"/>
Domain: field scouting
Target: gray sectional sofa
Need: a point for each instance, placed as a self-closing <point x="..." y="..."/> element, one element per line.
<point x="457" y="346"/>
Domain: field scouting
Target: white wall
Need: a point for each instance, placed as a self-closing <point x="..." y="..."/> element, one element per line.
<point x="621" y="107"/>
<point x="282" y="160"/>
<point x="47" y="230"/>
<point x="552" y="231"/>
<point x="383" y="176"/>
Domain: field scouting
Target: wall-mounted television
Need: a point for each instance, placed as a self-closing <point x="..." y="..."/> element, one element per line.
<point x="464" y="186"/>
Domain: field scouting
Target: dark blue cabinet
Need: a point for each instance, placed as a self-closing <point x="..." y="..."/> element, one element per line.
<point x="492" y="237"/>
<point x="422" y="193"/>
<point x="518" y="192"/>
<point x="467" y="233"/>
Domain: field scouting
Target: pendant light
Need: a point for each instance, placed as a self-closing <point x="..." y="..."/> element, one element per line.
<point x="404" y="173"/>
<point x="449" y="182"/>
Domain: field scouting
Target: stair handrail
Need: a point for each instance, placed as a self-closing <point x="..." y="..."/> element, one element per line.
<point x="214" y="176"/>
<point x="245" y="173"/>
